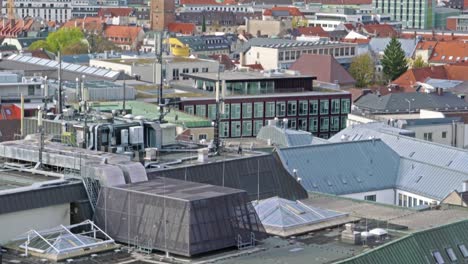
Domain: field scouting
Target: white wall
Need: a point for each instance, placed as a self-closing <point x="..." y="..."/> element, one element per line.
<point x="15" y="224"/>
<point x="386" y="196"/>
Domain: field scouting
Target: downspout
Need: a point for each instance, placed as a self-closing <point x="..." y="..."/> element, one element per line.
<point x="90" y="137"/>
<point x="96" y="129"/>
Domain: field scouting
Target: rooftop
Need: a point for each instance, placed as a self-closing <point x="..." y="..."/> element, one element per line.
<point x="177" y="189"/>
<point x="242" y="76"/>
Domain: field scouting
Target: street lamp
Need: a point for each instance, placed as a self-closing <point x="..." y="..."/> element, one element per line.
<point x="409" y="105"/>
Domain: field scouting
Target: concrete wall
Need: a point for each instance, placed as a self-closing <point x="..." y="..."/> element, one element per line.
<point x="267" y="57"/>
<point x="457" y="133"/>
<point x="454" y="198"/>
<point x="267" y="27"/>
<point x="15" y="224"/>
<point x="386" y="196"/>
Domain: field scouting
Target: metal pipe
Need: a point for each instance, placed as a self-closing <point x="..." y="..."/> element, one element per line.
<point x="96" y="129"/>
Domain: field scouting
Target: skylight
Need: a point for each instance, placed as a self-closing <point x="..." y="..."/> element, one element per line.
<point x="451" y="254"/>
<point x="463" y="250"/>
<point x="438" y="257"/>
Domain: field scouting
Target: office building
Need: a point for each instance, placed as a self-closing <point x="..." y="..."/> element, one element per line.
<point x="412" y="13"/>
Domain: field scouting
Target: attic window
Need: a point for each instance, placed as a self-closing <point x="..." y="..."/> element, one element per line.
<point x="451" y="57"/>
<point x="449" y="163"/>
<point x="438" y="257"/>
<point x="411" y="154"/>
<point x="443" y="57"/>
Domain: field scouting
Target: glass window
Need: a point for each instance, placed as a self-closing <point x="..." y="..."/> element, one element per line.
<point x="313" y="124"/>
<point x="225" y="115"/>
<point x="302" y="124"/>
<point x="281" y="56"/>
<point x="324" y="124"/>
<point x="303" y="107"/>
<point x="257" y="126"/>
<point x="224" y="129"/>
<point x="200" y="110"/>
<point x="212" y="111"/>
<point x="400" y="199"/>
<point x="438" y="257"/>
<point x="185" y="70"/>
<point x="335" y="123"/>
<point x="235" y="111"/>
<point x="324" y="104"/>
<point x="410" y="202"/>
<point x="286" y="55"/>
<point x="292" y="108"/>
<point x="345" y="106"/>
<point x="270" y="109"/>
<point x="280" y="108"/>
<point x="344" y="121"/>
<point x="444" y="134"/>
<point x="258" y="109"/>
<point x="405" y="203"/>
<point x="175" y="74"/>
<point x="372" y="198"/>
<point x="428" y="136"/>
<point x="313" y="107"/>
<point x="235" y="129"/>
<point x="292" y="123"/>
<point x="335" y="106"/>
<point x="188" y="109"/>
<point x="247" y="110"/>
<point x="247" y="128"/>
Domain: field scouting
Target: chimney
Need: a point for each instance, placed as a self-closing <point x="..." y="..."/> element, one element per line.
<point x="440" y="91"/>
<point x="465" y="186"/>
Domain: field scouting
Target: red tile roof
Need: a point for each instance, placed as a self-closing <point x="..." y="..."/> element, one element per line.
<point x="437" y="36"/>
<point x="256" y="67"/>
<point x="182" y="28"/>
<point x="448" y="51"/>
<point x="87" y="24"/>
<point x="9" y="28"/>
<point x="122" y="34"/>
<point x="380" y="30"/>
<point x="115" y="12"/>
<point x="225" y="60"/>
<point x="313" y="31"/>
<point x="447" y="72"/>
<point x="346" y="2"/>
<point x="324" y="67"/>
<point x="293" y="11"/>
<point x="349" y="26"/>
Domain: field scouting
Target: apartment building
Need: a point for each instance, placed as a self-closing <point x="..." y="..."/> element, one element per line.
<point x="412" y="13"/>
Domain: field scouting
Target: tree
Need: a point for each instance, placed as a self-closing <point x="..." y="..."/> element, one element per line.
<point x="203" y="26"/>
<point x="362" y="69"/>
<point x="394" y="60"/>
<point x="59" y="40"/>
<point x="75" y="48"/>
<point x="418" y="63"/>
<point x="98" y="44"/>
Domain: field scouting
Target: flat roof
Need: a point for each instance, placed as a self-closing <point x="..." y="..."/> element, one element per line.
<point x="275" y="95"/>
<point x="178" y="190"/>
<point x="241" y="76"/>
<point x="15" y="179"/>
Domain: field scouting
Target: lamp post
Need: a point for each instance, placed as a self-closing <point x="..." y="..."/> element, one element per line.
<point x="219" y="101"/>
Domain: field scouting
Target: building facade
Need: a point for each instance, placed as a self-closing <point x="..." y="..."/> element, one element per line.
<point x="412" y="13"/>
<point x="282" y="56"/>
<point x="162" y="13"/>
<point x="251" y="102"/>
<point x="457" y="23"/>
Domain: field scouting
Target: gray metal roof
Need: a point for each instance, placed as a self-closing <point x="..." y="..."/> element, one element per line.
<point x="427" y="168"/>
<point x="397" y="102"/>
<point x="284" y="137"/>
<point x="379" y="44"/>
<point x="282" y="213"/>
<point x="262" y="42"/>
<point x="343" y="168"/>
<point x="429" y="121"/>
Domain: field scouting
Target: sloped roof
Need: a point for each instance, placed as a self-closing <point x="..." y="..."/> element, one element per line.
<point x="122" y="32"/>
<point x="380" y="30"/>
<point x="419" y="247"/>
<point x="312" y="31"/>
<point x="115" y="12"/>
<point x="449" y="52"/>
<point x="284" y="137"/>
<point x="182" y="28"/>
<point x="397" y="102"/>
<point x="378" y="45"/>
<point x="282" y="11"/>
<point x="354" y="35"/>
<point x="282" y="213"/>
<point x="343" y="168"/>
<point x="87" y="23"/>
<point x="325" y="67"/>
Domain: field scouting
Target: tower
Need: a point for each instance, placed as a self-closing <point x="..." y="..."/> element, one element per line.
<point x="11" y="9"/>
<point x="162" y="13"/>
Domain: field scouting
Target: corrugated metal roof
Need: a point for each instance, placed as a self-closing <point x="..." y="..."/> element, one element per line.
<point x="379" y="44"/>
<point x="443" y="168"/>
<point x="285" y="137"/>
<point x="343" y="168"/>
<point x="419" y="247"/>
<point x="282" y="213"/>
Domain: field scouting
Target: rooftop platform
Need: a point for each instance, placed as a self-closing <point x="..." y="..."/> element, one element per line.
<point x="244" y="76"/>
<point x="10" y="179"/>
